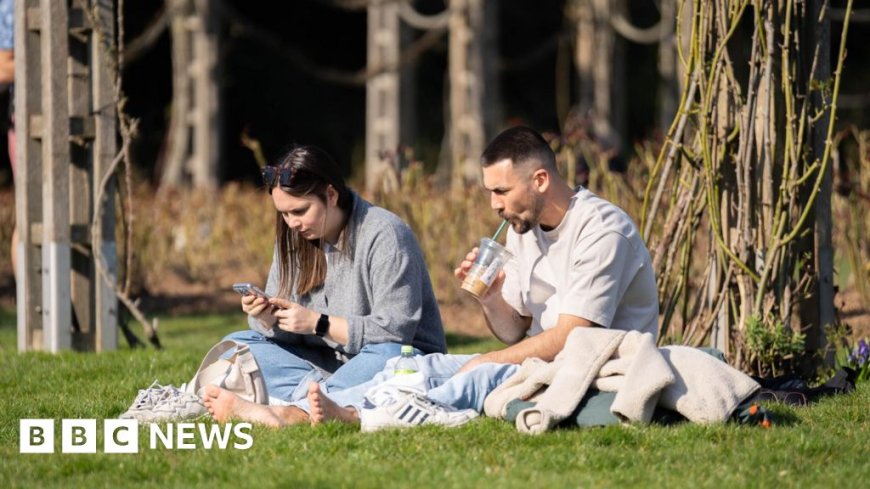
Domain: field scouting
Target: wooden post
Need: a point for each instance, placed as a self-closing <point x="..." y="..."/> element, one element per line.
<point x="583" y="52"/>
<point x="194" y="138"/>
<point x="56" y="318"/>
<point x="28" y="185"/>
<point x="493" y="113"/>
<point x="61" y="83"/>
<point x="466" y="91"/>
<point x="103" y="152"/>
<point x="596" y="61"/>
<point x="382" y="91"/>
<point x="179" y="124"/>
<point x="406" y="121"/>
<point x="80" y="176"/>
<point x="206" y="97"/>
<point x="669" y="86"/>
<point x="602" y="71"/>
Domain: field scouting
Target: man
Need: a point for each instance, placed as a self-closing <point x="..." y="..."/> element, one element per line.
<point x="578" y="261"/>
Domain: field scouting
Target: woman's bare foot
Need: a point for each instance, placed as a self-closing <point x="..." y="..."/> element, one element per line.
<point x="322" y="408"/>
<point x="290" y="414"/>
<point x="224" y="405"/>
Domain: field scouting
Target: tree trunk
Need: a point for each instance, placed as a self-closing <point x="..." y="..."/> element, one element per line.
<point x="818" y="311"/>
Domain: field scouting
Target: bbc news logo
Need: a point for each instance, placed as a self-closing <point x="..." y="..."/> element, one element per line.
<point x="122" y="436"/>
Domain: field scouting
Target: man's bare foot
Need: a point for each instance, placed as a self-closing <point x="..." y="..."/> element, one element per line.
<point x="224" y="405"/>
<point x="322" y="408"/>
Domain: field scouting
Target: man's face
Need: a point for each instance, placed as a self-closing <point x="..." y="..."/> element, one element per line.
<point x="512" y="195"/>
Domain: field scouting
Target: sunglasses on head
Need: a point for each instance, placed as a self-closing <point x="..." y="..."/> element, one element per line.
<point x="272" y="175"/>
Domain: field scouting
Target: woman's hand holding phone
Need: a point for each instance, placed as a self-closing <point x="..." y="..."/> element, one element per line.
<point x="254" y="305"/>
<point x="259" y="308"/>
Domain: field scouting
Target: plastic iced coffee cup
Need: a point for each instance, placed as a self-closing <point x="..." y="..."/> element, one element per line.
<point x="491" y="258"/>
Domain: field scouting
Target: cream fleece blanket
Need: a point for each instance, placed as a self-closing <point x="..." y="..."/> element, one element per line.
<point x="680" y="378"/>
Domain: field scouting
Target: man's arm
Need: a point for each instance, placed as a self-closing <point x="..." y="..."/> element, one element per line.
<point x="503" y="320"/>
<point x="544" y="346"/>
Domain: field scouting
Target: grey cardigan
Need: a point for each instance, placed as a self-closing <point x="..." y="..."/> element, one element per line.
<point x="381" y="287"/>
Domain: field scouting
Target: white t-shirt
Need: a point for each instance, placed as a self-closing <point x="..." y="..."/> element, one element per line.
<point x="592" y="265"/>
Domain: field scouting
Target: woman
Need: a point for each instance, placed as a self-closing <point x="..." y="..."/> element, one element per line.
<point x="348" y="284"/>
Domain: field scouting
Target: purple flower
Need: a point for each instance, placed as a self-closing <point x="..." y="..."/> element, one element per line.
<point x="861" y="354"/>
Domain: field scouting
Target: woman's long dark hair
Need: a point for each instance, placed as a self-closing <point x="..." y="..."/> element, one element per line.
<point x="309" y="171"/>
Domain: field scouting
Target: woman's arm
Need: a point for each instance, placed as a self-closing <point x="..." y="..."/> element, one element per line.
<point x="294" y="318"/>
<point x="393" y="274"/>
<point x="396" y="276"/>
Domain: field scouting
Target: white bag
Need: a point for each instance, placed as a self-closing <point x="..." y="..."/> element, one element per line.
<point x="239" y="374"/>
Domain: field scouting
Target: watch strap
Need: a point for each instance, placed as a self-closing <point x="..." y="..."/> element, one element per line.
<point x="322" y="326"/>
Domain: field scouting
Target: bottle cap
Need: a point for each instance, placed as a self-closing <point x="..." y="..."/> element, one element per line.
<point x="407" y="349"/>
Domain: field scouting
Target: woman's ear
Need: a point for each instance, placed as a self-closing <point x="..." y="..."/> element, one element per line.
<point x="331" y="195"/>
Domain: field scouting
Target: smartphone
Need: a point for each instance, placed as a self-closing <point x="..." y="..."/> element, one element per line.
<point x="247" y="288"/>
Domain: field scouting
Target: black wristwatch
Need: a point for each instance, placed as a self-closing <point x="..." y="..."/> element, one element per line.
<point x="322" y="326"/>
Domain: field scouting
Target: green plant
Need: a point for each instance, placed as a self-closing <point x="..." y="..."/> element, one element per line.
<point x="771" y="345"/>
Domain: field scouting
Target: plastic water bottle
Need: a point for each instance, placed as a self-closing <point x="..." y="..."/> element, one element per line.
<point x="406" y="364"/>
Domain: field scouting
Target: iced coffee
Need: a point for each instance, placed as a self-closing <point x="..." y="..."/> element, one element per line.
<point x="491" y="258"/>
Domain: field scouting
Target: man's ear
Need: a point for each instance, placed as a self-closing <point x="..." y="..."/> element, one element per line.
<point x="541" y="180"/>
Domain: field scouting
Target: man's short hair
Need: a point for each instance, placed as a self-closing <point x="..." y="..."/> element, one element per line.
<point x="521" y="145"/>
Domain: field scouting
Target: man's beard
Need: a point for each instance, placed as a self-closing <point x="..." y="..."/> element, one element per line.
<point x="522" y="226"/>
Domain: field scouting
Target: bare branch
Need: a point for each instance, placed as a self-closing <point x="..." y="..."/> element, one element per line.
<point x="128" y="129"/>
<point x="149" y="36"/>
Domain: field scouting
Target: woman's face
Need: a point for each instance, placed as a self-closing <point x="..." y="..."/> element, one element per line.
<point x="308" y="215"/>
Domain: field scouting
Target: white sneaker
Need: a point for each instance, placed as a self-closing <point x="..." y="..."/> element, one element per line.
<point x="147" y="398"/>
<point x="391" y="406"/>
<point x="164" y="403"/>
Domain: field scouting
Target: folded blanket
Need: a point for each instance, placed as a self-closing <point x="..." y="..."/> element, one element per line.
<point x="576" y="366"/>
<point x="680" y="378"/>
<point x="638" y="373"/>
<point x="706" y="390"/>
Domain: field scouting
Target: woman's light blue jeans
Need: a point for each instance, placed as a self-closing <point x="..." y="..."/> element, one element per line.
<point x="288" y="367"/>
<point x="464" y="391"/>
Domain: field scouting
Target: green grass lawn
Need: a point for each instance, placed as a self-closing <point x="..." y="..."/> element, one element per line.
<point x="825" y="445"/>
